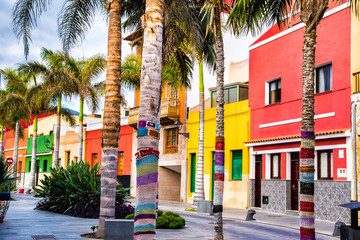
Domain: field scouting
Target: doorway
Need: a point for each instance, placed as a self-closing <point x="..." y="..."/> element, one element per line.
<point x="258" y="176"/>
<point x="37" y="169"/>
<point x="294" y="181"/>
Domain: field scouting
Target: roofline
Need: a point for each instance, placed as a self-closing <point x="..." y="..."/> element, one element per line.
<point x="298" y="26"/>
<point x="232" y="84"/>
<point x="296" y="138"/>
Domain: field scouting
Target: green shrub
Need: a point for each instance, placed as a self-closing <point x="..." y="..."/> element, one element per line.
<point x="130" y="216"/>
<point x="159" y="213"/>
<point x="75" y="190"/>
<point x="5" y="176"/>
<point x="170" y="220"/>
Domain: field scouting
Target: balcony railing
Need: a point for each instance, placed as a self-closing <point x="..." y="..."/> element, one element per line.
<point x="356" y="82"/>
<point x="170" y="112"/>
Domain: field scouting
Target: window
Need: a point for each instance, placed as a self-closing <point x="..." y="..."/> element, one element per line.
<point x="231" y="95"/>
<point x="75" y="158"/>
<point x="325" y="164"/>
<point x="171" y="140"/>
<point x="174" y="92"/>
<point x="275" y="166"/>
<point x="59" y="161"/>
<point x="126" y="113"/>
<point x="323" y="78"/>
<point x="274" y="91"/>
<point x="29" y="166"/>
<point x="192" y="172"/>
<point x="67" y="157"/>
<point x="120" y="163"/>
<point x="45" y="166"/>
<point x="243" y="93"/>
<point x="236" y="168"/>
<point x="94" y="159"/>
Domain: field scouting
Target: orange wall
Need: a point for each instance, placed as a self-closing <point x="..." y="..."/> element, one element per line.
<point x="93" y="145"/>
<point x="9" y="144"/>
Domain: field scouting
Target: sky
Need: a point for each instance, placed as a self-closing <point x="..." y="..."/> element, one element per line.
<point x="45" y="35"/>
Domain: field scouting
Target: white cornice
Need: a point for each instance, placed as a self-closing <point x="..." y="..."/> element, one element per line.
<point x="298" y="26"/>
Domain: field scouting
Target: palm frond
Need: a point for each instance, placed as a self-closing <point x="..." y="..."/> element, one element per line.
<point x="25" y="14"/>
<point x="75" y="18"/>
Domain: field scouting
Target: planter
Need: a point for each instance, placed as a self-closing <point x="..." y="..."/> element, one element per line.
<point x="4" y="206"/>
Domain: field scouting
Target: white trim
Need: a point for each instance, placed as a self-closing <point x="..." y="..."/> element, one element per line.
<point x="328" y="136"/>
<point x="298" y="26"/>
<point x="39" y="154"/>
<point x="267" y="166"/>
<point x="315" y="166"/>
<point x="12" y="149"/>
<point x="349" y="162"/>
<point x="287" y="150"/>
<point x="324" y="115"/>
<point x="288" y="166"/>
<point x="252" y="164"/>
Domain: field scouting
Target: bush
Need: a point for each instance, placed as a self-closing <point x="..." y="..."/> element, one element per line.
<point x="130" y="216"/>
<point x="170" y="220"/>
<point x="75" y="191"/>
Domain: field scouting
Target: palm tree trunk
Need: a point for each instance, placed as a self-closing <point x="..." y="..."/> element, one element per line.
<point x="220" y="140"/>
<point x="149" y="122"/>
<point x="312" y="11"/>
<point x="16" y="148"/>
<point x="199" y="187"/>
<point x="33" y="157"/>
<point x="2" y="142"/>
<point x="81" y="123"/>
<point x="111" y="121"/>
<point x="57" y="135"/>
<point x="307" y="170"/>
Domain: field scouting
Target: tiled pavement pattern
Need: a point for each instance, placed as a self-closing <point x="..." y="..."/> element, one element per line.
<point x="22" y="222"/>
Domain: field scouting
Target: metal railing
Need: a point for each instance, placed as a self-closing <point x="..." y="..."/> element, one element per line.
<point x="356" y="82"/>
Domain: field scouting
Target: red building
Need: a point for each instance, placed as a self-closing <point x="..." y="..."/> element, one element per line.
<point x="275" y="99"/>
<point x="93" y="150"/>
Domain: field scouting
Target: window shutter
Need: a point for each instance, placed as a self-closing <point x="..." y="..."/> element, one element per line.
<point x="193" y="172"/>
<point x="237" y="165"/>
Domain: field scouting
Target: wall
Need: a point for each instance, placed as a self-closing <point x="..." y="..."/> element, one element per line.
<point x="237" y="118"/>
<point x="69" y="142"/>
<point x="169" y="184"/>
<point x="283" y="58"/>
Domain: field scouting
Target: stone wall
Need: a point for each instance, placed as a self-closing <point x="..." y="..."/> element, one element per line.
<point x="278" y="192"/>
<point x="328" y="195"/>
<point x="251" y="193"/>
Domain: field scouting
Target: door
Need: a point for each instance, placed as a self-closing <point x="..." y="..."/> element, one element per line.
<point x="258" y="176"/>
<point x="294" y="181"/>
<point x="37" y="169"/>
<point x="212" y="175"/>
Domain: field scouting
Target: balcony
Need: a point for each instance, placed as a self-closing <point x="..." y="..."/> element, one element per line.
<point x="170" y="112"/>
<point x="356" y="84"/>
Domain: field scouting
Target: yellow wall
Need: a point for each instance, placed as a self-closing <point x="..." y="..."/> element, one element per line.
<point x="165" y="93"/>
<point x="355" y="47"/>
<point x="237" y="120"/>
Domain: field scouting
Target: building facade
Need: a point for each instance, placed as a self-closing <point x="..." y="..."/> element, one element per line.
<point x="236" y="123"/>
<point x="276" y="100"/>
<point x="93" y="148"/>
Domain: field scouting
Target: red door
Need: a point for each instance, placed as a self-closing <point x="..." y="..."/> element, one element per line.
<point x="258" y="174"/>
<point x="295" y="181"/>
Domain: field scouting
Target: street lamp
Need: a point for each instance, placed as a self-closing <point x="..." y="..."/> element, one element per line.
<point x="179" y="123"/>
<point x="47" y="143"/>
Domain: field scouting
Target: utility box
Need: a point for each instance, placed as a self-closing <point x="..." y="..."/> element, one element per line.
<point x="351" y="232"/>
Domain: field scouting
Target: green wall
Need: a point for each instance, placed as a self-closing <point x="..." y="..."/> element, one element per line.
<point x="40" y="148"/>
<point x="42" y="159"/>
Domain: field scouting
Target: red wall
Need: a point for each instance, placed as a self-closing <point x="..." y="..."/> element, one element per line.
<point x="93" y="145"/>
<point x="283" y="58"/>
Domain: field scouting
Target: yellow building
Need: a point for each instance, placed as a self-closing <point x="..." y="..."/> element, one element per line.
<point x="237" y="131"/>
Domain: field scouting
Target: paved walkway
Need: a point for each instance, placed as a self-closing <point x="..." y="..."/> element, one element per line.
<point x="323" y="227"/>
<point x="22" y="222"/>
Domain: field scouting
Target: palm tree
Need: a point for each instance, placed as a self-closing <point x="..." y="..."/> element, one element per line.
<point x="149" y="122"/>
<point x="58" y="83"/>
<point x="75" y="18"/>
<point x="205" y="52"/>
<point x="245" y="18"/>
<point x="85" y="72"/>
<point x="14" y="104"/>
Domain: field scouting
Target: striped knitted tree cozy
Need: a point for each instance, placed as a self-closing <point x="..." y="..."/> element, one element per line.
<point x="307" y="215"/>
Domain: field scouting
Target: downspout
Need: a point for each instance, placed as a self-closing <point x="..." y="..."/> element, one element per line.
<point x="354" y="148"/>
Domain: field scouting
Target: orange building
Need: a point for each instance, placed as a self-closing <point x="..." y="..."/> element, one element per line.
<point x="93" y="150"/>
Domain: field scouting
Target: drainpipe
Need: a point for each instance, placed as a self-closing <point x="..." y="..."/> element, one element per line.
<point x="354" y="148"/>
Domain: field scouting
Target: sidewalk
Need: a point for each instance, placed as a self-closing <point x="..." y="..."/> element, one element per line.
<point x="281" y="220"/>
